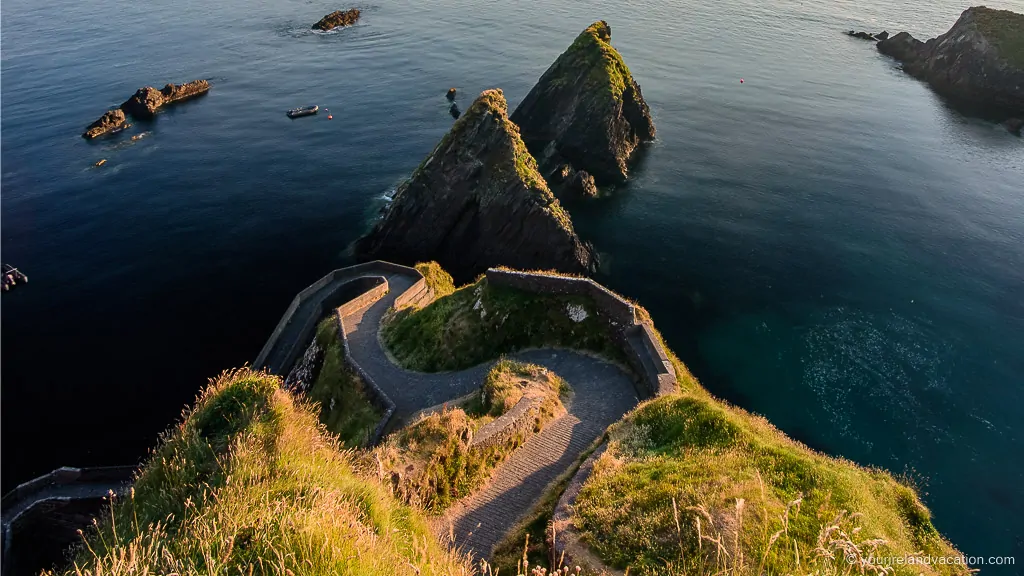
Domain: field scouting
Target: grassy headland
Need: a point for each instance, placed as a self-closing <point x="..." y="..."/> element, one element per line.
<point x="480" y="322"/>
<point x="249" y="483"/>
<point x="1005" y="30"/>
<point x="690" y="485"/>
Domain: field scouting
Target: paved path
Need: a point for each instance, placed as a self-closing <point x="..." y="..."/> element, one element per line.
<point x="602" y="393"/>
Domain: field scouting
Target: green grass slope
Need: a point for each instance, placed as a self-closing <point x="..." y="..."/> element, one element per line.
<point x="249" y="483"/>
<point x="480" y="322"/>
<point x="690" y="485"/>
<point x="1005" y="30"/>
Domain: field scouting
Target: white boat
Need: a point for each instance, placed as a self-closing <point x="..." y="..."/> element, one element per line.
<point x="304" y="111"/>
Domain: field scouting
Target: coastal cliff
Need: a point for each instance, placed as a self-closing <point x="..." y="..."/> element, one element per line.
<point x="979" y="61"/>
<point x="478" y="201"/>
<point x="586" y="110"/>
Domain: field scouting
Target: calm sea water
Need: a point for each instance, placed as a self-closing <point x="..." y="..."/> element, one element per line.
<point x="827" y="244"/>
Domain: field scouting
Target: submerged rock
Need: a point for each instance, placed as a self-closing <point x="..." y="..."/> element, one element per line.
<point x="1014" y="125"/>
<point x="979" y="61"/>
<point x="451" y="94"/>
<point x="454" y="110"/>
<point x="147" y="100"/>
<point x="336" y="19"/>
<point x="586" y="110"/>
<point x="111" y="120"/>
<point x="477" y="201"/>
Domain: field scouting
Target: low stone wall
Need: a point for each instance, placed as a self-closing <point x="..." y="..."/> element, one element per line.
<point x="518" y="421"/>
<point x="646" y="355"/>
<point x="377" y="396"/>
<point x="567" y="547"/>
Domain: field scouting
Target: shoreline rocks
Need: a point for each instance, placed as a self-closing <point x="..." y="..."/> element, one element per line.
<point x="883" y="35"/>
<point x="586" y="110"/>
<point x="147" y="100"/>
<point x="978" y="62"/>
<point x="477" y="201"/>
<point x="337" y="19"/>
<point x="111" y="120"/>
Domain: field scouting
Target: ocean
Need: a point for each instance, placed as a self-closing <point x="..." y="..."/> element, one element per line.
<point x="828" y="244"/>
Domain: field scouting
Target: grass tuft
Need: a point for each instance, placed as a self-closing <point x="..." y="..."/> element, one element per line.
<point x="437" y="278"/>
<point x="1005" y="30"/>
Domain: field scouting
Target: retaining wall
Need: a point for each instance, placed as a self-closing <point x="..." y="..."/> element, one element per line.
<point x="518" y="421"/>
<point x="644" y="352"/>
<point x="377" y="396"/>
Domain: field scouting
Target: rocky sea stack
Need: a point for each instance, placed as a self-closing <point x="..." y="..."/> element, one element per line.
<point x="146" y="101"/>
<point x="111" y="120"/>
<point x="586" y="110"/>
<point x="979" y="62"/>
<point x="337" y="19"/>
<point x="477" y="201"/>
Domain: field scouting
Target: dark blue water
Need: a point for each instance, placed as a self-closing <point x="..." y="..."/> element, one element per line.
<point x="828" y="244"/>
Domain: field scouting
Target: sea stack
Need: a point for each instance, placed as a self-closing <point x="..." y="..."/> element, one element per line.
<point x="111" y="120"/>
<point x="979" y="62"/>
<point x="147" y="100"/>
<point x="337" y="19"/>
<point x="586" y="110"/>
<point x="477" y="201"/>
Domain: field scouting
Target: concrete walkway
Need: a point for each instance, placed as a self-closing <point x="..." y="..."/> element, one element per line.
<point x="602" y="393"/>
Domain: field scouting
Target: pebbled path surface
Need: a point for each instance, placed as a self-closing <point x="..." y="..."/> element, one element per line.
<point x="602" y="393"/>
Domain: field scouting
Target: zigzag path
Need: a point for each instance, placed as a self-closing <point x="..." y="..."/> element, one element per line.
<point x="602" y="394"/>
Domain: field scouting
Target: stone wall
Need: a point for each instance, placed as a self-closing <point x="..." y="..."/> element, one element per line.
<point x="645" y="354"/>
<point x="518" y="421"/>
<point x="567" y="547"/>
<point x="377" y="396"/>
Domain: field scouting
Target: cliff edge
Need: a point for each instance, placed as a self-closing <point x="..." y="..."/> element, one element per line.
<point x="476" y="202"/>
<point x="980" y="61"/>
<point x="586" y="110"/>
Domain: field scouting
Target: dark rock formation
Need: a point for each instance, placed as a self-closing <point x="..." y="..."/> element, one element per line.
<point x="146" y="101"/>
<point x="478" y="201"/>
<point x="861" y="35"/>
<point x="586" y="110"/>
<point x="560" y="174"/>
<point x="1014" y="125"/>
<point x="111" y="120"/>
<point x="883" y="35"/>
<point x="582" y="184"/>
<point x="336" y="19"/>
<point x="979" y="62"/>
<point x="454" y="110"/>
<point x="451" y="94"/>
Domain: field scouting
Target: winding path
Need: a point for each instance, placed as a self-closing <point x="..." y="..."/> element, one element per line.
<point x="602" y="393"/>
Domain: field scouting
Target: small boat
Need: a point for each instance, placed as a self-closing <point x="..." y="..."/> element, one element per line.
<point x="304" y="111"/>
<point x="11" y="277"/>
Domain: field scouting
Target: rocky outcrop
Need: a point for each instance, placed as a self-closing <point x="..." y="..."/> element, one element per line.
<point x="147" y="100"/>
<point x="582" y="184"/>
<point x="336" y="19"/>
<point x="979" y="62"/>
<point x="586" y="110"/>
<point x="869" y="36"/>
<point x="113" y="119"/>
<point x="478" y="201"/>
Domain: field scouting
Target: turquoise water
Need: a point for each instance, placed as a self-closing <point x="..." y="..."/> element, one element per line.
<point x="827" y="244"/>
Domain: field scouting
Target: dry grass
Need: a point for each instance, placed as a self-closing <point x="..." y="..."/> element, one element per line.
<point x="437" y="278"/>
<point x="249" y="483"/>
<point x="690" y="485"/>
<point x="432" y="463"/>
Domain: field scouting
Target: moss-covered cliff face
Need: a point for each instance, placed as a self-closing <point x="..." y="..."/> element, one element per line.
<point x="586" y="110"/>
<point x="478" y="201"/>
<point x="980" y="61"/>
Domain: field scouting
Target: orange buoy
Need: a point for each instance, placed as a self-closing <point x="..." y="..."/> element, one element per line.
<point x="330" y="117"/>
<point x="741" y="80"/>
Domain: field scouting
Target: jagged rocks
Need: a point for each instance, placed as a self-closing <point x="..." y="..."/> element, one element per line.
<point x="147" y="100"/>
<point x="477" y="201"/>
<point x="451" y="94"/>
<point x="586" y="110"/>
<point x="979" y="61"/>
<point x="111" y="120"/>
<point x="861" y="35"/>
<point x="582" y="184"/>
<point x="336" y="19"/>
